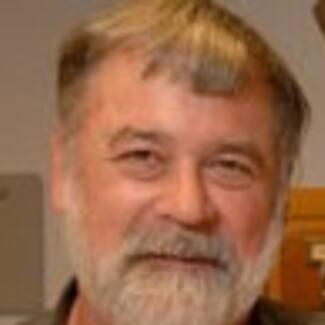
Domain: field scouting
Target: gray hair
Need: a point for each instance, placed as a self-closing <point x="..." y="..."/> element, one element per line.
<point x="195" y="40"/>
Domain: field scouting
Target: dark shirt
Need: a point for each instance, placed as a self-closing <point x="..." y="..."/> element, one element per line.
<point x="265" y="312"/>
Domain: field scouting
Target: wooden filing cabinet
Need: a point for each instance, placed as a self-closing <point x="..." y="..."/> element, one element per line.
<point x="296" y="278"/>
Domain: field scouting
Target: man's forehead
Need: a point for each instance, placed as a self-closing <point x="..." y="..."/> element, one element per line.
<point x="124" y="98"/>
<point x="133" y="66"/>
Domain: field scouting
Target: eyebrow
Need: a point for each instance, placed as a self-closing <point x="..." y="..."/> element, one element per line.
<point x="131" y="133"/>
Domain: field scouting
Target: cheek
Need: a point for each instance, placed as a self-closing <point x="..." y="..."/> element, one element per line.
<point x="111" y="207"/>
<point x="245" y="217"/>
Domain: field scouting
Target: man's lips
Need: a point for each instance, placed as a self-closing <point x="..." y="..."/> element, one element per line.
<point x="178" y="261"/>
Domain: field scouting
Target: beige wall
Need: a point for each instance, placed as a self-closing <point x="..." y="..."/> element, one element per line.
<point x="29" y="32"/>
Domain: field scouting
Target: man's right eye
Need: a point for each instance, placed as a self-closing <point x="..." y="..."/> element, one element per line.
<point x="141" y="163"/>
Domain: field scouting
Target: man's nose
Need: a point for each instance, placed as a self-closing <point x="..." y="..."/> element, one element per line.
<point x="188" y="201"/>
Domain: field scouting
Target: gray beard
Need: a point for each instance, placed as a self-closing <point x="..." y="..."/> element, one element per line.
<point x="133" y="286"/>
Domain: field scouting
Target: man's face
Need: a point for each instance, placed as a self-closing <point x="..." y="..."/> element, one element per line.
<point x="169" y="199"/>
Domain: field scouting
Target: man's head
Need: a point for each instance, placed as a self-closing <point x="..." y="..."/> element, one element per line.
<point x="177" y="132"/>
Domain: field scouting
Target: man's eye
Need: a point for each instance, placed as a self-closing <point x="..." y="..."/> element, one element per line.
<point x="140" y="155"/>
<point x="140" y="163"/>
<point x="233" y="173"/>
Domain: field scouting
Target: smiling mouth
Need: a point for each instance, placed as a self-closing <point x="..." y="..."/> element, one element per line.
<point x="175" y="261"/>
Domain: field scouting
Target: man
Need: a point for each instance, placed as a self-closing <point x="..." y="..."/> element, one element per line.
<point x="177" y="132"/>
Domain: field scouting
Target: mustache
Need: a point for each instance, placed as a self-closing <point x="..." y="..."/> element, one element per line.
<point x="175" y="242"/>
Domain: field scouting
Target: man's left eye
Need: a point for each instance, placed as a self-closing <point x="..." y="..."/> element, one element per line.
<point x="235" y="166"/>
<point x="232" y="173"/>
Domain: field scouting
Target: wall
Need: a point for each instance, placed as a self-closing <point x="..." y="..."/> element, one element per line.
<point x="29" y="34"/>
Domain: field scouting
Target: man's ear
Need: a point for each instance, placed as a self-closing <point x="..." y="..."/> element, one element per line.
<point x="57" y="170"/>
